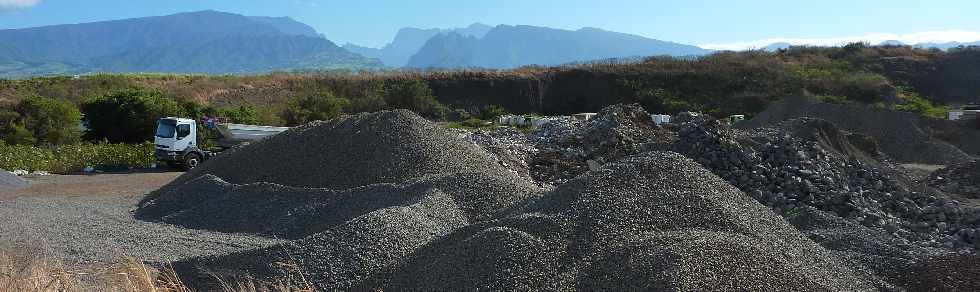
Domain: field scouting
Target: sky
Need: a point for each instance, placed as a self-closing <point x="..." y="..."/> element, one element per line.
<point x="709" y="23"/>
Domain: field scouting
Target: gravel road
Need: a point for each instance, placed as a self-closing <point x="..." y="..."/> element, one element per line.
<point x="87" y="220"/>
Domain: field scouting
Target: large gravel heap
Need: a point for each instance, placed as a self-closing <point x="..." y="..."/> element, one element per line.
<point x="655" y="221"/>
<point x="389" y="201"/>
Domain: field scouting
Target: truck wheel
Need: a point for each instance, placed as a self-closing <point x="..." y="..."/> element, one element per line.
<point x="191" y="161"/>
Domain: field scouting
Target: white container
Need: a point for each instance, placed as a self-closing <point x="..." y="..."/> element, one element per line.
<point x="660" y="119"/>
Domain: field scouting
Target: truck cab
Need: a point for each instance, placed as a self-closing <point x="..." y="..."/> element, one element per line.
<point x="176" y="143"/>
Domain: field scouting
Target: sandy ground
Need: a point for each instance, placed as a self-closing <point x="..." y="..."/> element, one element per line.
<point x="87" y="219"/>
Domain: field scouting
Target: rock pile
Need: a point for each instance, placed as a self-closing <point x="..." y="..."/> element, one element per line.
<point x="808" y="162"/>
<point x="963" y="179"/>
<point x="567" y="149"/>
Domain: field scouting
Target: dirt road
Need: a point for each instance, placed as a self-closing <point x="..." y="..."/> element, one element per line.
<point x="86" y="219"/>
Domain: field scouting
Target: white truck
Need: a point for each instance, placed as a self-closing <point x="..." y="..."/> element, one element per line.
<point x="176" y="140"/>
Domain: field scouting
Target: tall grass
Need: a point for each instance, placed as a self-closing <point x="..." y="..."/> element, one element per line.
<point x="35" y="271"/>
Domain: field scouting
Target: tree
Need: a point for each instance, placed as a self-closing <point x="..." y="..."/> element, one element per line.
<point x="318" y="107"/>
<point x="12" y="129"/>
<point x="128" y="116"/>
<point x="51" y="121"/>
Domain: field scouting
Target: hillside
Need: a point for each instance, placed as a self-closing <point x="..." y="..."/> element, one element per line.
<point x="409" y="40"/>
<point x="196" y="42"/>
<point x="506" y="47"/>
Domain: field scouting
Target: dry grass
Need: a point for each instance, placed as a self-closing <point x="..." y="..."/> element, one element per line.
<point x="34" y="271"/>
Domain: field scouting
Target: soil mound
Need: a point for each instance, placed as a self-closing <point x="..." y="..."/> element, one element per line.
<point x="905" y="137"/>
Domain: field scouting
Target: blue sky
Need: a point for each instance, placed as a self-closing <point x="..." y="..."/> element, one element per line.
<point x="703" y="22"/>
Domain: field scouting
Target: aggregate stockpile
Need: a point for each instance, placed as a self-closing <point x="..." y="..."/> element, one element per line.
<point x="391" y="201"/>
<point x="9" y="181"/>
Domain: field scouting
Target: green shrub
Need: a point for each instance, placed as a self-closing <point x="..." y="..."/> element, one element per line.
<point x="72" y="158"/>
<point x="915" y="103"/>
<point x="242" y="114"/>
<point x="128" y="116"/>
<point x="317" y="107"/>
<point x="492" y="112"/>
<point x="415" y="96"/>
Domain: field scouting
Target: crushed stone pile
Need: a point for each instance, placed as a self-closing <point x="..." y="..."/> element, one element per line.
<point x="10" y="181"/>
<point x="963" y="179"/>
<point x="569" y="148"/>
<point x="808" y="162"/>
<point x="905" y="137"/>
<point x="508" y="145"/>
<point x="389" y="201"/>
<point x="655" y="221"/>
<point x="355" y="195"/>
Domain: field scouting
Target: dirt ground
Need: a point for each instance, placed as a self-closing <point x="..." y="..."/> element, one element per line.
<point x="87" y="219"/>
<point x="112" y="185"/>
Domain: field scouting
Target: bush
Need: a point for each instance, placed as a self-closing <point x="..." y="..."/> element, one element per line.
<point x="66" y="159"/>
<point x="492" y="112"/>
<point x="317" y="107"/>
<point x="128" y="116"/>
<point x="415" y="96"/>
<point x="243" y="114"/>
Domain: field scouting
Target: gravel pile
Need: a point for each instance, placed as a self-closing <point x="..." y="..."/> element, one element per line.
<point x="508" y="145"/>
<point x="384" y="147"/>
<point x="656" y="221"/>
<point x="808" y="162"/>
<point x="906" y="137"/>
<point x="389" y="201"/>
<point x="9" y="181"/>
<point x="355" y="195"/>
<point x="963" y="180"/>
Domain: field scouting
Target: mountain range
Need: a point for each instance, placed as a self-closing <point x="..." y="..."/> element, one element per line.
<point x="506" y="46"/>
<point x="196" y="42"/>
<point x="409" y="40"/>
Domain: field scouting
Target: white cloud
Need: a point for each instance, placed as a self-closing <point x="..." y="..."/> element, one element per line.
<point x="17" y="4"/>
<point x="874" y="38"/>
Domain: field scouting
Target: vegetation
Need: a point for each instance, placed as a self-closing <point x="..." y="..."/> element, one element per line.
<point x="123" y="108"/>
<point x="128" y="116"/>
<point x="40" y="121"/>
<point x="73" y="158"/>
<point x="33" y="270"/>
<point x="318" y="107"/>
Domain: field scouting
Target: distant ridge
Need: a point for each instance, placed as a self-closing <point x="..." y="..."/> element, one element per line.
<point x="507" y="46"/>
<point x="409" y="40"/>
<point x="195" y="42"/>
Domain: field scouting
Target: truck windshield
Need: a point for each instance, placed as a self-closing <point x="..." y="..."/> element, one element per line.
<point x="166" y="128"/>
